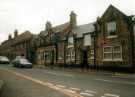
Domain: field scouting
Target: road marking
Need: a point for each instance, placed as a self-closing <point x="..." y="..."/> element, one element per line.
<point x="118" y="82"/>
<point x="67" y="92"/>
<point x="54" y="73"/>
<point x="61" y="86"/>
<point x="86" y="94"/>
<point x="89" y="91"/>
<point x="50" y="84"/>
<point x="110" y="95"/>
<point x="75" y="89"/>
<point x="71" y="91"/>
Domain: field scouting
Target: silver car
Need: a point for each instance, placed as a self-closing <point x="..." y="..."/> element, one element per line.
<point x="21" y="62"/>
<point x="4" y="60"/>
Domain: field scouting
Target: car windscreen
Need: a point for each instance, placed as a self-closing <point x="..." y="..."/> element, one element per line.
<point x="24" y="61"/>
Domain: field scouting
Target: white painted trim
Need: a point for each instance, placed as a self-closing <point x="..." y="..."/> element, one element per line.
<point x="112" y="36"/>
<point x="112" y="48"/>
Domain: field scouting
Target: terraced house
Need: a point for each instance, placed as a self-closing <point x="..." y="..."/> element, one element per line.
<point x="65" y="44"/>
<point x="19" y="45"/>
<point x="108" y="42"/>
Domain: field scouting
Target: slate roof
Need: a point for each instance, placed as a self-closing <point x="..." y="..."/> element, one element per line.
<point x="111" y="7"/>
<point x="61" y="30"/>
<point x="86" y="28"/>
<point x="22" y="37"/>
<point x="61" y="27"/>
<point x="6" y="44"/>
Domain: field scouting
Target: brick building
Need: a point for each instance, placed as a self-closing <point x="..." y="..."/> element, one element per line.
<point x="115" y="39"/>
<point x="19" y="45"/>
<point x="63" y="44"/>
<point x="106" y="43"/>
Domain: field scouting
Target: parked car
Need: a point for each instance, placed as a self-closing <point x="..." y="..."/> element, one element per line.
<point x="4" y="60"/>
<point x="21" y="62"/>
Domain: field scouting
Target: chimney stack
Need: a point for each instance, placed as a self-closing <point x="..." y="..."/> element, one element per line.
<point x="15" y="33"/>
<point x="9" y="37"/>
<point x="73" y="21"/>
<point x="48" y="26"/>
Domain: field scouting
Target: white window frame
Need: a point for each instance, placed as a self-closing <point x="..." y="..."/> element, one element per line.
<point x="112" y="52"/>
<point x="118" y="59"/>
<point x="72" y="44"/>
<point x="107" y="53"/>
<point x="92" y="54"/>
<point x="87" y="37"/>
<point x="70" y="55"/>
<point x="39" y="56"/>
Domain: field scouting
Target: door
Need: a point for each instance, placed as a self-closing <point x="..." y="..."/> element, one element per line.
<point x="85" y="59"/>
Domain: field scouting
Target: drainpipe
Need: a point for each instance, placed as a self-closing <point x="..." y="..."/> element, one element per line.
<point x="132" y="43"/>
<point x="95" y="49"/>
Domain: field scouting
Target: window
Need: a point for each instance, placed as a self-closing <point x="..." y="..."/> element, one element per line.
<point x="91" y="54"/>
<point x="47" y="55"/>
<point x="70" y="42"/>
<point x="108" y="53"/>
<point x="40" y="56"/>
<point x="60" y="55"/>
<point x="70" y="55"/>
<point x="111" y="28"/>
<point x="112" y="53"/>
<point x="87" y="40"/>
<point x="117" y="53"/>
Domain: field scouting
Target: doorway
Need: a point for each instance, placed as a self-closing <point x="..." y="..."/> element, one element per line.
<point x="85" y="59"/>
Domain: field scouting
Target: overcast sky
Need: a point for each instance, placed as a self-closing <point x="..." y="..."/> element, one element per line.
<point x="32" y="14"/>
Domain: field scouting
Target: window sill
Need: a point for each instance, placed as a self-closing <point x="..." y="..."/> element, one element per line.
<point x="112" y="36"/>
<point x="70" y="46"/>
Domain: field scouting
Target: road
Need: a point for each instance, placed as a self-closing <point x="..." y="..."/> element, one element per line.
<point x="58" y="83"/>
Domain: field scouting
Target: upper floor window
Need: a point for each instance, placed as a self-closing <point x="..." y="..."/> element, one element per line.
<point x="87" y="40"/>
<point x="111" y="28"/>
<point x="70" y="42"/>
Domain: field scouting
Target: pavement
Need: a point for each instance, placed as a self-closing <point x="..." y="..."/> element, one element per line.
<point x="58" y="82"/>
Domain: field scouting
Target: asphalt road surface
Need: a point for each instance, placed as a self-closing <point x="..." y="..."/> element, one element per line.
<point x="58" y="83"/>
